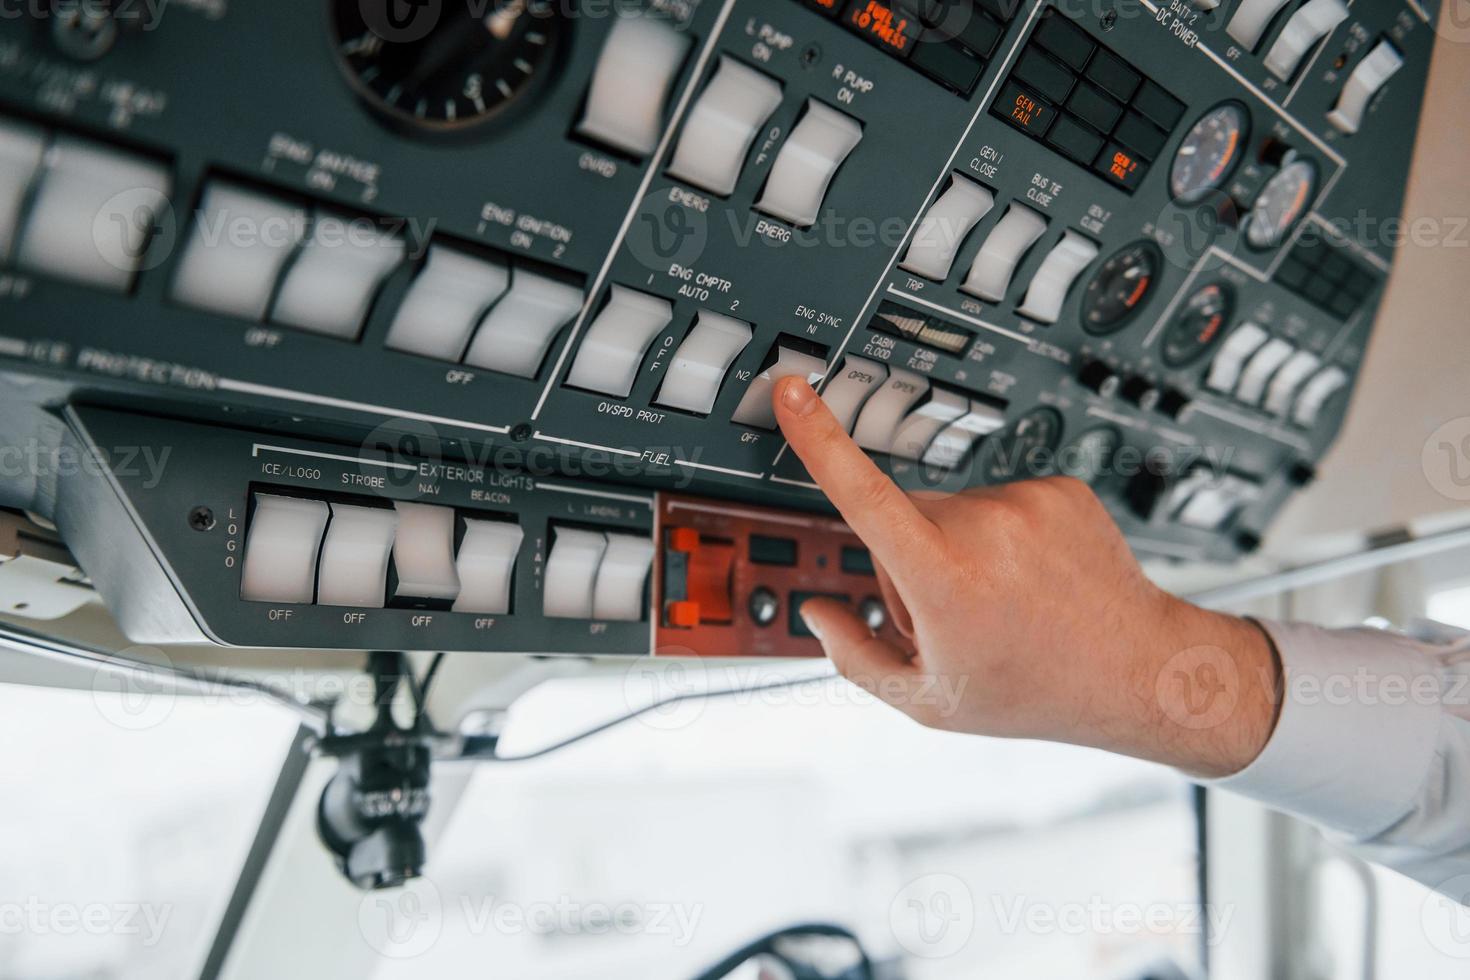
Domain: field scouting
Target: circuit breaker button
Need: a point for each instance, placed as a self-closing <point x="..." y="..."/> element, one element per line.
<point x="1366" y="78"/>
<point x="1306" y="27"/>
<point x="878" y="422"/>
<point x="281" y="549"/>
<point x="945" y="225"/>
<point x="423" y="552"/>
<point x="354" y="565"/>
<point x="699" y="365"/>
<point x="571" y="573"/>
<point x="635" y="72"/>
<point x="516" y="333"/>
<point x="94" y="213"/>
<point x="615" y="344"/>
<point x="920" y="426"/>
<point x="1054" y="278"/>
<point x="622" y="578"/>
<point x="447" y="299"/>
<point x="236" y="251"/>
<point x="755" y="408"/>
<point x="1010" y="239"/>
<point x="806" y="163"/>
<point x="21" y="148"/>
<point x="952" y="443"/>
<point x="850" y="387"/>
<point x="722" y="125"/>
<point x="486" y="564"/>
<point x="336" y="276"/>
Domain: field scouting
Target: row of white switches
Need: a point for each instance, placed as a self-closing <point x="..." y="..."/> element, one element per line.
<point x="596" y="575"/>
<point x="902" y="414"/>
<point x="1258" y="369"/>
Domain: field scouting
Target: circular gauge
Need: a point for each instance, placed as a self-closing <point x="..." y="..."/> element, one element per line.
<point x="1024" y="449"/>
<point x="1208" y="152"/>
<point x="1196" y="328"/>
<point x="1281" y="202"/>
<point x="1091" y="454"/>
<point x="442" y="67"/>
<point x="1120" y="287"/>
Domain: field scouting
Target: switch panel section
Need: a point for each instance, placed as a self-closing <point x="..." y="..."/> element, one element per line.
<point x="877" y="423"/>
<point x="640" y="60"/>
<point x="485" y="565"/>
<point x="518" y="330"/>
<point x="789" y="357"/>
<point x="920" y="426"/>
<point x="850" y="387"/>
<point x="337" y="274"/>
<point x="806" y="163"/>
<point x="1306" y="27"/>
<point x="1251" y="20"/>
<point x="622" y="578"/>
<point x="1366" y="78"/>
<point x="448" y="298"/>
<point x="281" y="549"/>
<point x="239" y="244"/>
<point x="944" y="227"/>
<point x="722" y="125"/>
<point x="423" y="552"/>
<point x="93" y="215"/>
<point x="699" y="365"/>
<point x="956" y="440"/>
<point x="354" y="563"/>
<point x="1058" y="271"/>
<point x="614" y="346"/>
<point x="21" y="147"/>
<point x="995" y="264"/>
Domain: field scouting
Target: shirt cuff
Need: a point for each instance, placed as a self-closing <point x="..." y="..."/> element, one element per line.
<point x="1357" y="731"/>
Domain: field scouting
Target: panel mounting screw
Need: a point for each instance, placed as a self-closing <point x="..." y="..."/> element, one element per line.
<point x="521" y="432"/>
<point x="810" y="55"/>
<point x="201" y="519"/>
<point x="1109" y="19"/>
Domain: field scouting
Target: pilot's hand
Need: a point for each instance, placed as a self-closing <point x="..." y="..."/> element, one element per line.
<point x="1030" y="617"/>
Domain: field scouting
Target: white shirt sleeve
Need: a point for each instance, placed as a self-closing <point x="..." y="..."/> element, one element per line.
<point x="1372" y="744"/>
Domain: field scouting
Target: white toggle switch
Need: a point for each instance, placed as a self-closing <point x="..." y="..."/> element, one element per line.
<point x="949" y="447"/>
<point x="1284" y="386"/>
<point x="723" y="123"/>
<point x="699" y="365"/>
<point x="236" y="251"/>
<point x="631" y="83"/>
<point x="1015" y="233"/>
<point x="619" y="589"/>
<point x="447" y="299"/>
<point x="1366" y="78"/>
<point x="1225" y="369"/>
<point x="21" y="148"/>
<point x="1306" y="27"/>
<point x="1315" y="394"/>
<point x="755" y="407"/>
<point x="878" y="421"/>
<point x="336" y="276"/>
<point x="94" y="213"/>
<point x="850" y="387"/>
<point x="1216" y="501"/>
<point x="945" y="225"/>
<point x="354" y="566"/>
<point x="608" y="358"/>
<point x="1061" y="267"/>
<point x="1259" y="369"/>
<point x="514" y="336"/>
<point x="423" y="551"/>
<point x="281" y="549"/>
<point x="571" y="572"/>
<point x="920" y="426"/>
<point x="485" y="564"/>
<point x="1250" y="21"/>
<point x="806" y="162"/>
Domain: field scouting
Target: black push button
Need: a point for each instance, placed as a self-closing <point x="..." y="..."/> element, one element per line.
<point x="1140" y="135"/>
<point x="1120" y="166"/>
<point x="1065" y="39"/>
<point x="1047" y="77"/>
<point x="1158" y="105"/>
<point x="1094" y="108"/>
<point x="974" y="30"/>
<point x="1001" y="10"/>
<point x="949" y="64"/>
<point x="1114" y="75"/>
<point x="1074" y="139"/>
<point x="1023" y="109"/>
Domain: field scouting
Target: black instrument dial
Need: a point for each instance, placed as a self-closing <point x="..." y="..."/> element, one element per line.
<point x="1208" y="152"/>
<point x="1120" y="287"/>
<point x="1090" y="456"/>
<point x="443" y="67"/>
<point x="1282" y="201"/>
<point x="1024" y="450"/>
<point x="1196" y="327"/>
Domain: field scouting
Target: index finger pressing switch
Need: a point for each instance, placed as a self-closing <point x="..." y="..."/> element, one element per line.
<point x="21" y="148"/>
<point x="423" y="552"/>
<point x="700" y="363"/>
<point x="94" y="213"/>
<point x="850" y="387"/>
<point x="281" y="549"/>
<point x="514" y="336"/>
<point x="237" y="249"/>
<point x="945" y="225"/>
<point x="1061" y="267"/>
<point x="486" y="563"/>
<point x="1367" y="77"/>
<point x="354" y="566"/>
<point x="722" y="125"/>
<point x="954" y="441"/>
<point x="619" y="589"/>
<point x="631" y="83"/>
<point x="806" y="163"/>
<point x="878" y="422"/>
<point x="336" y="276"/>
<point x="920" y="426"/>
<point x="1010" y="239"/>
<point x="1306" y="27"/>
<point x="571" y="572"/>
<point x="755" y="408"/>
<point x="449" y="296"/>
<point x="608" y="358"/>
